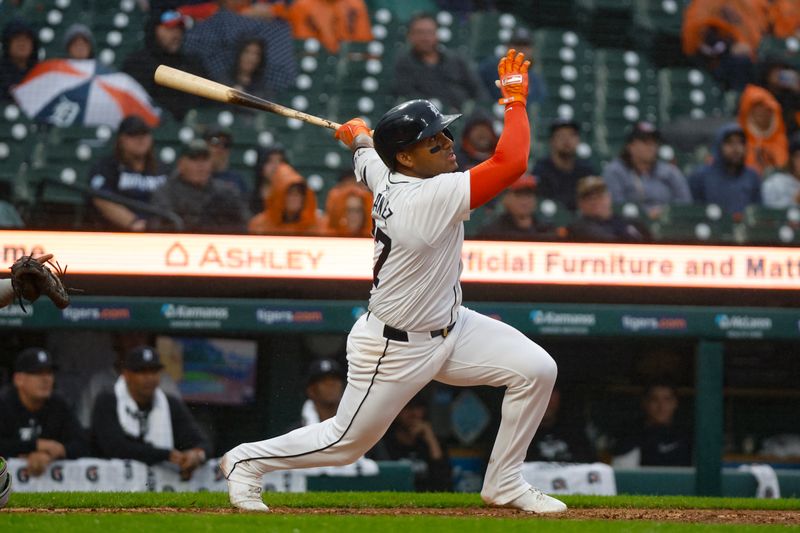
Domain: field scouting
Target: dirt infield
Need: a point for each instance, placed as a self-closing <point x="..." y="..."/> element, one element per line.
<point x="694" y="516"/>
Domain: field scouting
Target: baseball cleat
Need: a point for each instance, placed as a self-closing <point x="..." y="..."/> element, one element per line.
<point x="244" y="495"/>
<point x="535" y="501"/>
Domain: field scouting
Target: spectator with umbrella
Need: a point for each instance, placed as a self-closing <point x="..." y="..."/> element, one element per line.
<point x="67" y="92"/>
<point x="216" y="41"/>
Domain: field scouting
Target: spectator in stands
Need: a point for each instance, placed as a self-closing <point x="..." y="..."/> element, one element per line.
<point x="204" y="204"/>
<point x="331" y="22"/>
<point x="761" y="117"/>
<point x="20" y="54"/>
<point x="216" y="41"/>
<point x="429" y="70"/>
<point x="289" y="208"/>
<point x="522" y="41"/>
<point x="220" y="141"/>
<point x="639" y="177"/>
<point x="561" y="438"/>
<point x="138" y="421"/>
<point x="782" y="189"/>
<point x="559" y="172"/>
<point x="131" y="172"/>
<point x="247" y="71"/>
<point x="657" y="440"/>
<point x="164" y="40"/>
<point x="36" y="424"/>
<point x="518" y="220"/>
<point x="79" y="42"/>
<point x="782" y="80"/>
<point x="596" y="220"/>
<point x="9" y="217"/>
<point x="478" y="140"/>
<point x="727" y="181"/>
<point x="269" y="159"/>
<point x="348" y="211"/>
<point x="411" y="437"/>
<point x="723" y="37"/>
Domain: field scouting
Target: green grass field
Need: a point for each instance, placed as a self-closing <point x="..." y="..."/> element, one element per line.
<point x="368" y="512"/>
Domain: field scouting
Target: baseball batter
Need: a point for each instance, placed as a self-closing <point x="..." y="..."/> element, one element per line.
<point x="416" y="329"/>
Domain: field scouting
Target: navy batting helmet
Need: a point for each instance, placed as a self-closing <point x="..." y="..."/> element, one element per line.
<point x="406" y="124"/>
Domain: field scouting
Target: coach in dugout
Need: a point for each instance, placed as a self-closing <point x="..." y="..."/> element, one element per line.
<point x="35" y="423"/>
<point x="138" y="421"/>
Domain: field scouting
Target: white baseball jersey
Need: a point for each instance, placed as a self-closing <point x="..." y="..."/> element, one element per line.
<point x="419" y="232"/>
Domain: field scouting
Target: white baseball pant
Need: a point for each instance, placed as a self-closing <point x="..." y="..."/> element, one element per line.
<point x="383" y="375"/>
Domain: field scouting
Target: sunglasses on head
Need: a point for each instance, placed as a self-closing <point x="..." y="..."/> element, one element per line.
<point x="220" y="141"/>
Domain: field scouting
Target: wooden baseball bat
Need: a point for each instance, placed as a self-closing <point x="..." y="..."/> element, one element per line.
<point x="189" y="83"/>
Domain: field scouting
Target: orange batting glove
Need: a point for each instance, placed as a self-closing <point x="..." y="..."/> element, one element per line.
<point x="351" y="129"/>
<point x="513" y="72"/>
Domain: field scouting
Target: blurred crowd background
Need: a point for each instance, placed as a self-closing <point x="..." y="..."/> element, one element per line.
<point x="653" y="120"/>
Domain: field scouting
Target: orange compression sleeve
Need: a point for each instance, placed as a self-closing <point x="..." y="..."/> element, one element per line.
<point x="509" y="161"/>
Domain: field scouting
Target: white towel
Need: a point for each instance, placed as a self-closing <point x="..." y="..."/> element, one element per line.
<point x="309" y="413"/>
<point x="768" y="486"/>
<point x="154" y="427"/>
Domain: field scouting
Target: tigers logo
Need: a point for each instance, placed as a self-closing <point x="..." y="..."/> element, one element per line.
<point x="92" y="473"/>
<point x="23" y="476"/>
<point x="559" y="483"/>
<point x="593" y="477"/>
<point x="57" y="473"/>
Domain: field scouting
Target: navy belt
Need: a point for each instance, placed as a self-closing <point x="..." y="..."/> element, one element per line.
<point x="394" y="334"/>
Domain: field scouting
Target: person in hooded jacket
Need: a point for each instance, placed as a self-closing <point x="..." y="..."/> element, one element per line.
<point x="727" y="181"/>
<point x="20" y="54"/>
<point x="79" y="42"/>
<point x="290" y="208"/>
<point x="164" y="35"/>
<point x="269" y="159"/>
<point x="478" y="141"/>
<point x="348" y="211"/>
<point x="761" y="118"/>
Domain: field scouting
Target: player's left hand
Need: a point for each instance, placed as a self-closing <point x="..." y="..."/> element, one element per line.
<point x="351" y="129"/>
<point x="513" y="72"/>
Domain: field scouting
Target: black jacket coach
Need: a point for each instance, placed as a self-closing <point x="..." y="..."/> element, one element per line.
<point x="109" y="440"/>
<point x="20" y="428"/>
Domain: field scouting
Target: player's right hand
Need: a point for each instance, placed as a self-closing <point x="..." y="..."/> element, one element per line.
<point x="513" y="72"/>
<point x="351" y="129"/>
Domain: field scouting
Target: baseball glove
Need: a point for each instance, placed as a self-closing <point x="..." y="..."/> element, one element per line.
<point x="31" y="278"/>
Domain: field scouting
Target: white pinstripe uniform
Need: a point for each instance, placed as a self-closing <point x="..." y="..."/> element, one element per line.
<point x="416" y="331"/>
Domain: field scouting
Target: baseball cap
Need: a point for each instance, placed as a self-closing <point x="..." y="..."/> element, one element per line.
<point x="133" y="125"/>
<point x="218" y="136"/>
<point x="142" y="358"/>
<point x="196" y="148"/>
<point x="644" y="131"/>
<point x="171" y="19"/>
<point x="34" y="359"/>
<point x="321" y="368"/>
<point x="521" y="35"/>
<point x="590" y="185"/>
<point x="563" y="123"/>
<point x="525" y="182"/>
